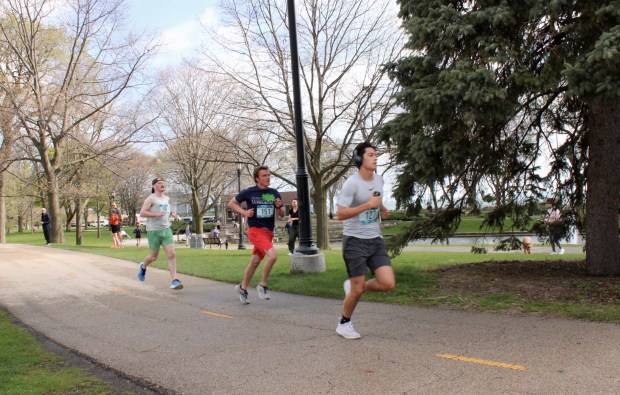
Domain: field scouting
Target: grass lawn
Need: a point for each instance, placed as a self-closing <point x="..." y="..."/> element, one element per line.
<point x="419" y="276"/>
<point x="25" y="368"/>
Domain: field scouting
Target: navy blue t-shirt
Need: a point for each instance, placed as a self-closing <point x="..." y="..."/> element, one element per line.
<point x="263" y="201"/>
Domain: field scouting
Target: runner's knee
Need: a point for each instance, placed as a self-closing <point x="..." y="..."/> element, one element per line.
<point x="387" y="285"/>
<point x="272" y="255"/>
<point x="357" y="288"/>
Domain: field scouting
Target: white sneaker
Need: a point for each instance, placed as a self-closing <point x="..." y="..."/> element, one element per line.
<point x="347" y="286"/>
<point x="346" y="330"/>
<point x="262" y="292"/>
<point x="242" y="293"/>
<point x="552" y="253"/>
<point x="561" y="251"/>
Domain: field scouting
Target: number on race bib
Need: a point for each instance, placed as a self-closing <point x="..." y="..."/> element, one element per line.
<point x="369" y="216"/>
<point x="264" y="211"/>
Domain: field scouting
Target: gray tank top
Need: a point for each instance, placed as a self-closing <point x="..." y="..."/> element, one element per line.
<point x="159" y="205"/>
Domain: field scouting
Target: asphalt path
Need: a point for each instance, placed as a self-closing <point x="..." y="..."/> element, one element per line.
<point x="202" y="340"/>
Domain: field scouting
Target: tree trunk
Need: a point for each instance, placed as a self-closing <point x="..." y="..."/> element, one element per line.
<point x="69" y="214"/>
<point x="2" y="210"/>
<point x="196" y="213"/>
<point x="56" y="233"/>
<point x="320" y="209"/>
<point x="602" y="202"/>
<point x="78" y="228"/>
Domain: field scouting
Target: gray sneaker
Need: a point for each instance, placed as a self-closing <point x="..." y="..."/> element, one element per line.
<point x="243" y="294"/>
<point x="262" y="292"/>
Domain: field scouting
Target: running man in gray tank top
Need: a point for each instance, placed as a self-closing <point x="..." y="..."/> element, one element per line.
<point x="156" y="210"/>
<point x="360" y="207"/>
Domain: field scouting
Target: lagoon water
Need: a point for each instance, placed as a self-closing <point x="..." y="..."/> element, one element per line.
<point x="576" y="238"/>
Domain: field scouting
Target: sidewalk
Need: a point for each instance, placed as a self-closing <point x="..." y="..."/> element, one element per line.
<point x="201" y="340"/>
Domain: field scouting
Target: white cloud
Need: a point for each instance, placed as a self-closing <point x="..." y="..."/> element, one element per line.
<point x="183" y="39"/>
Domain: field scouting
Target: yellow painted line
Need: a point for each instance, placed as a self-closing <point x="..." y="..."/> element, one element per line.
<point x="121" y="291"/>
<point x="71" y="274"/>
<point x="217" y="314"/>
<point x="482" y="361"/>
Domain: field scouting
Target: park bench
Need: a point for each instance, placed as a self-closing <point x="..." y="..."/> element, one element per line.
<point x="214" y="241"/>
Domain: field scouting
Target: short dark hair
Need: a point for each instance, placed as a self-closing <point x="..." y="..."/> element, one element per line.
<point x="258" y="170"/>
<point x="359" y="151"/>
<point x="155" y="181"/>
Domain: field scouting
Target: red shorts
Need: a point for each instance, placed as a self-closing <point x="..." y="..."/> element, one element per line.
<point x="262" y="240"/>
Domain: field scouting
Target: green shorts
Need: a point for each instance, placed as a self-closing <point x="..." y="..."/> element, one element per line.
<point x="158" y="238"/>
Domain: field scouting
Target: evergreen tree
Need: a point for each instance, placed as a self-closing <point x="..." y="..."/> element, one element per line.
<point x="511" y="90"/>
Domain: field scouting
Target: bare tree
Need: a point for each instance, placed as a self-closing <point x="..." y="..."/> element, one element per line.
<point x="71" y="67"/>
<point x="193" y="114"/>
<point x="343" y="45"/>
<point x="8" y="132"/>
<point x="136" y="173"/>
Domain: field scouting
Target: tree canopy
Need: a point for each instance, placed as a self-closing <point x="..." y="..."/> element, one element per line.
<point x="522" y="95"/>
<point x="345" y="94"/>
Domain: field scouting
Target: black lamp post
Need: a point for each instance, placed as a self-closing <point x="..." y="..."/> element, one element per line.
<point x="306" y="244"/>
<point x="241" y="246"/>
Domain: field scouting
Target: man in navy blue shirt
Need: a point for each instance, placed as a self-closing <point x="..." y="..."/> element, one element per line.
<point x="262" y="203"/>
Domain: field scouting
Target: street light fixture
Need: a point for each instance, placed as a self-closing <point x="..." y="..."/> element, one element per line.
<point x="241" y="246"/>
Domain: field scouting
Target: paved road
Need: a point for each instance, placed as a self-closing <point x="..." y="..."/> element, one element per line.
<point x="201" y="340"/>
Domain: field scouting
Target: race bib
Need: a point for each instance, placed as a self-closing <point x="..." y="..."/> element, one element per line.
<point x="369" y="216"/>
<point x="264" y="211"/>
<point x="165" y="208"/>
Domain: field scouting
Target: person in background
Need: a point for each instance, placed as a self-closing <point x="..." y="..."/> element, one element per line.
<point x="138" y="233"/>
<point x="262" y="205"/>
<point x="115" y="226"/>
<point x="552" y="220"/>
<point x="46" y="224"/>
<point x="156" y="210"/>
<point x="293" y="219"/>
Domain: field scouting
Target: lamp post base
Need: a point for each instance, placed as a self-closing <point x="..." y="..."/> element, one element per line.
<point x="301" y="264"/>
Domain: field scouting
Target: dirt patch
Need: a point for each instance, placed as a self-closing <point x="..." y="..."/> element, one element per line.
<point x="561" y="281"/>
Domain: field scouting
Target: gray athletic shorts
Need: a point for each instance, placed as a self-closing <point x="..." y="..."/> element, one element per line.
<point x="363" y="254"/>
